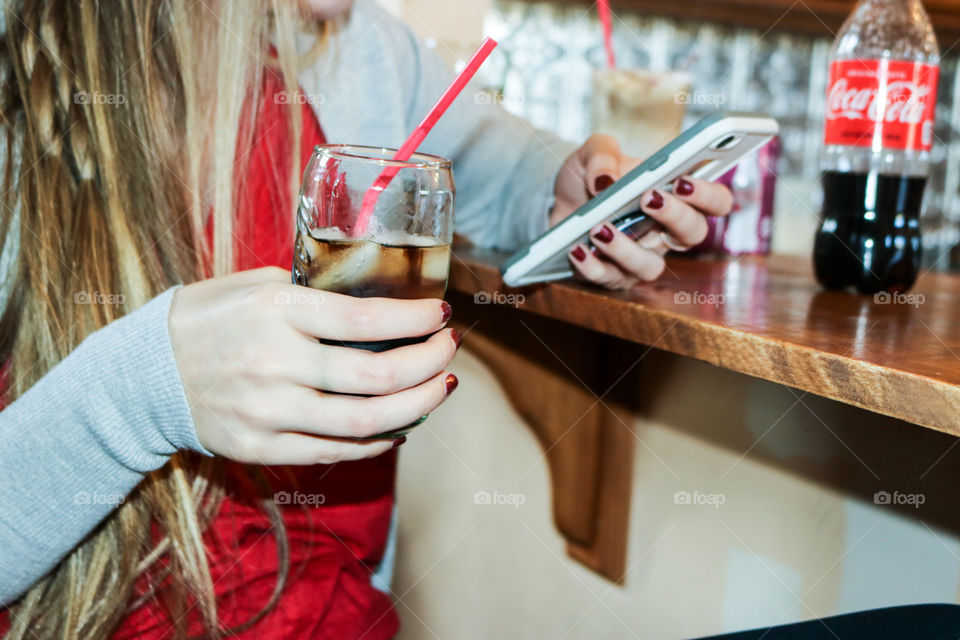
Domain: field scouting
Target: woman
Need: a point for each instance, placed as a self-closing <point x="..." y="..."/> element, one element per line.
<point x="152" y="144"/>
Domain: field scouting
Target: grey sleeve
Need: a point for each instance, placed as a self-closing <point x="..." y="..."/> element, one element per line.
<point x="505" y="169"/>
<point x="78" y="441"/>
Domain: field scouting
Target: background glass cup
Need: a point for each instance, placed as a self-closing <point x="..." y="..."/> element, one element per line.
<point x="643" y="109"/>
<point x="404" y="251"/>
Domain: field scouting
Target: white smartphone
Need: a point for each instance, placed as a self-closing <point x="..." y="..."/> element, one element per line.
<point x="707" y="150"/>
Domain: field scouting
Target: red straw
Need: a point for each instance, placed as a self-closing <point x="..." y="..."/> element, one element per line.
<point x="603" y="7"/>
<point x="418" y="135"/>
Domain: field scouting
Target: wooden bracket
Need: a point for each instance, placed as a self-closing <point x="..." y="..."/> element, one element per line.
<point x="574" y="388"/>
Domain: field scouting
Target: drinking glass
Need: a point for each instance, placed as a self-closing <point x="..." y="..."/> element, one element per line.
<point x="403" y="249"/>
<point x="643" y="109"/>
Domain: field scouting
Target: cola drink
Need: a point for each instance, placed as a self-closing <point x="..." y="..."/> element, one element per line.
<point x="881" y="102"/>
<point x="398" y="265"/>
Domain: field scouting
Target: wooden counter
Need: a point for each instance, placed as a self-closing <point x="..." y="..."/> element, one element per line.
<point x="567" y="355"/>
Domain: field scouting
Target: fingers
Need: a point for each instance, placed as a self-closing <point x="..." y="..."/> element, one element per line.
<point x="619" y="260"/>
<point x="601" y="272"/>
<point x="305" y="449"/>
<point x="300" y="449"/>
<point x="625" y="254"/>
<point x="685" y="225"/>
<point x="682" y="213"/>
<point x="601" y="156"/>
<point x="331" y="316"/>
<point x="353" y="417"/>
<point x="359" y="372"/>
<point x="711" y="198"/>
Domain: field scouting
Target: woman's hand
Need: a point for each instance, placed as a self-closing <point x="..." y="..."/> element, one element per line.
<point x="263" y="390"/>
<point x="619" y="262"/>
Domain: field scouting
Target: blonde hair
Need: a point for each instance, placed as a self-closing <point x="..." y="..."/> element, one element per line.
<point x="108" y="110"/>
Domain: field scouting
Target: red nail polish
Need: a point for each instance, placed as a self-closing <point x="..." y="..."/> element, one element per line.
<point x="684" y="187"/>
<point x="446" y="311"/>
<point x="451" y="382"/>
<point x="656" y="201"/>
<point x="457" y="338"/>
<point x="579" y="254"/>
<point x="605" y="235"/>
<point x="399" y="441"/>
<point x="602" y="183"/>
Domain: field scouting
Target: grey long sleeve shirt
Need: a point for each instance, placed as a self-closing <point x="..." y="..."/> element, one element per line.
<point x="84" y="436"/>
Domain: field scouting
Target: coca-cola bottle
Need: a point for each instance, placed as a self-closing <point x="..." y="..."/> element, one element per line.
<point x="881" y="99"/>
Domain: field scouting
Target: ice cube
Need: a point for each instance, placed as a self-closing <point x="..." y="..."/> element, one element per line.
<point x="356" y="264"/>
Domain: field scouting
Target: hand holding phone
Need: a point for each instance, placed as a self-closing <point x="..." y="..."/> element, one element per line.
<point x="705" y="151"/>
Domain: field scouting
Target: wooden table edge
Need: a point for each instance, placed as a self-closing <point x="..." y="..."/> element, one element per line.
<point x="907" y="396"/>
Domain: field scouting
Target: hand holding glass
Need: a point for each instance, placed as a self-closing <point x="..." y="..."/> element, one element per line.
<point x="404" y="249"/>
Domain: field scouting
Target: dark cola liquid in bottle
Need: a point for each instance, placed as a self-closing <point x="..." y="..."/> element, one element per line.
<point x="881" y="102"/>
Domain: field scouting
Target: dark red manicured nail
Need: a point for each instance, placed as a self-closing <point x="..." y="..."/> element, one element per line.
<point x="451" y="382"/>
<point x="579" y="254"/>
<point x="605" y="235"/>
<point x="457" y="338"/>
<point x="446" y="310"/>
<point x="399" y="441"/>
<point x="602" y="183"/>
<point x="684" y="187"/>
<point x="656" y="201"/>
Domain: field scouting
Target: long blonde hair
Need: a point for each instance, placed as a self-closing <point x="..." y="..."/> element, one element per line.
<point x="107" y="110"/>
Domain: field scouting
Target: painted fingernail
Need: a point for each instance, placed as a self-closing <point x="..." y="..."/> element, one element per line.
<point x="446" y="310"/>
<point x="605" y="235"/>
<point x="579" y="254"/>
<point x="451" y="382"/>
<point x="684" y="187"/>
<point x="656" y="201"/>
<point x="602" y="183"/>
<point x="399" y="441"/>
<point x="457" y="338"/>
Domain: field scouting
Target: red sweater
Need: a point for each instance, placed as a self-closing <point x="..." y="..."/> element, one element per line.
<point x="334" y="546"/>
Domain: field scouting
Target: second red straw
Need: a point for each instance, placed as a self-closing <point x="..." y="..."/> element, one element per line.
<point x="603" y="7"/>
<point x="420" y="133"/>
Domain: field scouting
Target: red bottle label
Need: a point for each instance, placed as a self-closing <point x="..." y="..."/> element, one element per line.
<point x="884" y="104"/>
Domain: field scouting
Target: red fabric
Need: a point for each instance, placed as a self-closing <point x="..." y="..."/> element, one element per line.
<point x="333" y="549"/>
<point x="335" y="546"/>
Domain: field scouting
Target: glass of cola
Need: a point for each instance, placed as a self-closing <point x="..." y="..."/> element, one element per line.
<point x="400" y="251"/>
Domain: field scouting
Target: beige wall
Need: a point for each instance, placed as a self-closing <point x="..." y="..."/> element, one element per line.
<point x="452" y="28"/>
<point x="454" y="24"/>
<point x="798" y="534"/>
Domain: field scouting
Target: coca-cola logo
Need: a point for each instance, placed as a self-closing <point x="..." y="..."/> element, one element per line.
<point x="887" y="102"/>
<point x="902" y="101"/>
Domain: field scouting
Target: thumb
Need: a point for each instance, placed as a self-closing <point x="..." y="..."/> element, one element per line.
<point x="601" y="157"/>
